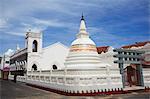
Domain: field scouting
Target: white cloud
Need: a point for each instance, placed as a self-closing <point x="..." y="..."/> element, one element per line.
<point x="38" y="15"/>
<point x="52" y="23"/>
<point x="9" y="52"/>
<point x="3" y="23"/>
<point x="23" y="13"/>
<point x="16" y="33"/>
<point x="37" y="25"/>
<point x="100" y="33"/>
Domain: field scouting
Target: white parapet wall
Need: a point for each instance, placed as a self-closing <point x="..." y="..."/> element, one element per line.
<point x="19" y="78"/>
<point x="146" y="77"/>
<point x="11" y="77"/>
<point x="74" y="81"/>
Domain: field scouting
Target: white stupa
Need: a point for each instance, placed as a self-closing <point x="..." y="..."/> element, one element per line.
<point x="83" y="53"/>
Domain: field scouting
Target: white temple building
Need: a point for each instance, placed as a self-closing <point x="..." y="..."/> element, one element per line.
<point x="34" y="58"/>
<point x="79" y="70"/>
<point x="76" y="70"/>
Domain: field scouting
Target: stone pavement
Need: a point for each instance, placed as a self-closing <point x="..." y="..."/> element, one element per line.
<point x="11" y="90"/>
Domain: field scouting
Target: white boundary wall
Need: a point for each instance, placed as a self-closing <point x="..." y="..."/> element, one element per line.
<point x="92" y="80"/>
<point x="77" y="80"/>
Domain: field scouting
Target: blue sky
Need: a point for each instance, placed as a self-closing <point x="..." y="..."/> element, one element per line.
<point x="109" y="22"/>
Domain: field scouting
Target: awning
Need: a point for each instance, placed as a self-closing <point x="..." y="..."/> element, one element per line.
<point x="6" y="69"/>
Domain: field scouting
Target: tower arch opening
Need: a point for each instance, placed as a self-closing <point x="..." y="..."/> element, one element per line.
<point x="34" y="46"/>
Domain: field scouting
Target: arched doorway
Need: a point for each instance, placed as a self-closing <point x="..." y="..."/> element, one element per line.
<point x="34" y="67"/>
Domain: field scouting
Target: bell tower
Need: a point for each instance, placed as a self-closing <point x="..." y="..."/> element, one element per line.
<point x="34" y="50"/>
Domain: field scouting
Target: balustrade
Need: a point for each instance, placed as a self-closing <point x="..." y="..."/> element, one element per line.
<point x="74" y="77"/>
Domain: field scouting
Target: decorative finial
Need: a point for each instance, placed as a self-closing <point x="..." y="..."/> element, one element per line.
<point x="82" y="17"/>
<point x="17" y="47"/>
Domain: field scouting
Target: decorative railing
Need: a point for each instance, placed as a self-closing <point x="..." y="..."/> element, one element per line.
<point x="69" y="77"/>
<point x="75" y="80"/>
<point x="11" y="77"/>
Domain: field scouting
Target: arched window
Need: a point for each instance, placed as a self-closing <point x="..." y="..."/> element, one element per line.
<point x="34" y="67"/>
<point x="54" y="66"/>
<point x="34" y="46"/>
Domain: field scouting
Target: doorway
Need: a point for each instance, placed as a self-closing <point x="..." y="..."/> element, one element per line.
<point x="132" y="76"/>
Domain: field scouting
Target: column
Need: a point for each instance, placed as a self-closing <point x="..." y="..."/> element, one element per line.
<point x="141" y="75"/>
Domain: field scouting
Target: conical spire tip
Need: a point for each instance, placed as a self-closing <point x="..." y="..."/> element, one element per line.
<point x="82" y="17"/>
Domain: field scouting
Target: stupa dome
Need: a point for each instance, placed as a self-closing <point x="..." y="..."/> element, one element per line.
<point x="83" y="53"/>
<point x="83" y="41"/>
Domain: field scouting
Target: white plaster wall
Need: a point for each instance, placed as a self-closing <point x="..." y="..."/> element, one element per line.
<point x="108" y="58"/>
<point x="34" y="58"/>
<point x="54" y="54"/>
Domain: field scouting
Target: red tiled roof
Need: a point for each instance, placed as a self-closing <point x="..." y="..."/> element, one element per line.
<point x="102" y="49"/>
<point x="146" y="63"/>
<point x="137" y="44"/>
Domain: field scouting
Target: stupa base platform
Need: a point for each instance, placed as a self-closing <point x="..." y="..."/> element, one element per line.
<point x="105" y="92"/>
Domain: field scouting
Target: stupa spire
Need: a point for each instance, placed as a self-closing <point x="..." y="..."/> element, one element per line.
<point x="82" y="24"/>
<point x="82" y="30"/>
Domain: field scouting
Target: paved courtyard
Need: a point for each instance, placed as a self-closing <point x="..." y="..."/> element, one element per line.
<point x="11" y="90"/>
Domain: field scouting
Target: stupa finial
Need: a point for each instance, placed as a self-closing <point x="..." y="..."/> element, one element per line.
<point x="82" y="24"/>
<point x="82" y="18"/>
